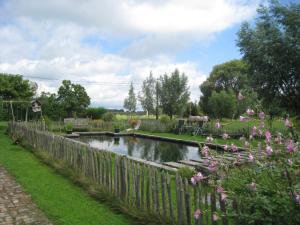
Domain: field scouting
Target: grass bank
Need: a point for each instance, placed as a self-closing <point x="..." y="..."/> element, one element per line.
<point x="63" y="202"/>
<point x="194" y="138"/>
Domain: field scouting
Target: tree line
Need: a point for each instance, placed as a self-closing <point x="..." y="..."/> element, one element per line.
<point x="267" y="76"/>
<point x="168" y="94"/>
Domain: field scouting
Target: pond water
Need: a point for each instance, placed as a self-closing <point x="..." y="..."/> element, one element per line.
<point x="143" y="148"/>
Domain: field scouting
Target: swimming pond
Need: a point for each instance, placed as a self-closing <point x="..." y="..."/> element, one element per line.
<point x="144" y="148"/>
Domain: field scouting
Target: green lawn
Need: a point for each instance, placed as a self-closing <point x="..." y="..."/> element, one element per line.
<point x="61" y="200"/>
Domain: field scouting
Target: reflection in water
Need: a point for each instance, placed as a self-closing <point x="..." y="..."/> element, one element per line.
<point x="151" y="150"/>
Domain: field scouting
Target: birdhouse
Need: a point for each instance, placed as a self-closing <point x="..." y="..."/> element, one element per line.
<point x="36" y="106"/>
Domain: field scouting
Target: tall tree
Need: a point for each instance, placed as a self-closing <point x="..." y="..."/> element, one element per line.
<point x="271" y="49"/>
<point x="130" y="101"/>
<point x="14" y="87"/>
<point x="231" y="75"/>
<point x="73" y="98"/>
<point x="147" y="95"/>
<point x="223" y="104"/>
<point x="51" y="107"/>
<point x="174" y="93"/>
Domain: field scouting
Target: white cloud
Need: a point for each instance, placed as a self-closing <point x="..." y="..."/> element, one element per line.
<point x="101" y="81"/>
<point x="174" y="16"/>
<point x="45" y="39"/>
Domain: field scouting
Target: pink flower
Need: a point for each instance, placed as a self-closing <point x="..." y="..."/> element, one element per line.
<point x="199" y="177"/>
<point x="244" y="119"/>
<point x="225" y="147"/>
<point x="220" y="189"/>
<point x="205" y="151"/>
<point x="269" y="150"/>
<point x="290" y="146"/>
<point x="238" y="158"/>
<point x="206" y="162"/>
<point x="287" y="123"/>
<point x="250" y="157"/>
<point x="250" y="112"/>
<point x="193" y="181"/>
<point x="268" y="136"/>
<point x="215" y="217"/>
<point x="234" y="148"/>
<point x="223" y="196"/>
<point x="197" y="214"/>
<point x="212" y="166"/>
<point x="262" y="115"/>
<point x="254" y="131"/>
<point x="218" y="125"/>
<point x="240" y="96"/>
<point x="252" y="186"/>
<point x="297" y="197"/>
<point x="225" y="136"/>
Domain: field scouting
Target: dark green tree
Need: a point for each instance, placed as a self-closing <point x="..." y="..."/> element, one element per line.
<point x="223" y="104"/>
<point x="73" y="98"/>
<point x="174" y="93"/>
<point x="231" y="75"/>
<point x="51" y="107"/>
<point x="147" y="95"/>
<point x="271" y="49"/>
<point x="192" y="109"/>
<point x="14" y="87"/>
<point x="95" y="113"/>
<point x="130" y="101"/>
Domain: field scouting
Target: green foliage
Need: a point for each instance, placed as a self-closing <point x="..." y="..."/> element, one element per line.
<point x="173" y="93"/>
<point x="51" y="107"/>
<point x="48" y="122"/>
<point x="148" y="94"/>
<point x="68" y="128"/>
<point x="231" y="75"/>
<point x="130" y="101"/>
<point x="222" y="104"/>
<point x="95" y="113"/>
<point x="73" y="98"/>
<point x="108" y="117"/>
<point x="273" y="201"/>
<point x="186" y="172"/>
<point x="192" y="109"/>
<point x="14" y="87"/>
<point x="164" y="119"/>
<point x="271" y="49"/>
<point x="250" y="101"/>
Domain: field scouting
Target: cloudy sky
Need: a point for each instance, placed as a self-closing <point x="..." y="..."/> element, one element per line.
<point x="106" y="44"/>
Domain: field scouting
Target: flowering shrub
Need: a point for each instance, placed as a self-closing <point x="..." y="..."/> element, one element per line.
<point x="266" y="188"/>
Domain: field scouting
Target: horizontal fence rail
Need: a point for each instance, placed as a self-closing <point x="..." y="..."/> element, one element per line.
<point x="138" y="186"/>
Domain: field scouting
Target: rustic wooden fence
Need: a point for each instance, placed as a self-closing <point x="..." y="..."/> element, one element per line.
<point x="141" y="187"/>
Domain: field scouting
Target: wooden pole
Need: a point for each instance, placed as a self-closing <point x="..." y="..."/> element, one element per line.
<point x="26" y="116"/>
<point x="12" y="111"/>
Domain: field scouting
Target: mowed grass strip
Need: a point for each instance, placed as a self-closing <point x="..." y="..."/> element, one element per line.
<point x="62" y="201"/>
